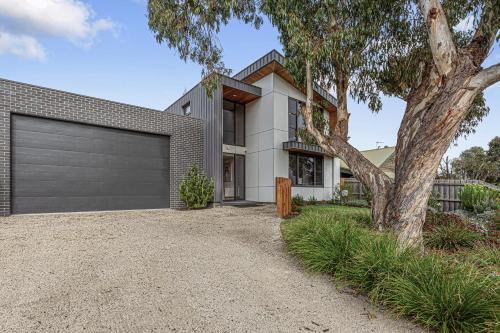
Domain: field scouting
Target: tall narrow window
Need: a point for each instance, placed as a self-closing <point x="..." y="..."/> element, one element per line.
<point x="295" y="119"/>
<point x="233" y="123"/>
<point x="186" y="109"/>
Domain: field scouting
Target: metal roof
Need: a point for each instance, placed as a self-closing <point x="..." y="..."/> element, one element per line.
<point x="280" y="59"/>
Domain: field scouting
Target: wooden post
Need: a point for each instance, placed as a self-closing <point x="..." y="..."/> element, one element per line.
<point x="283" y="196"/>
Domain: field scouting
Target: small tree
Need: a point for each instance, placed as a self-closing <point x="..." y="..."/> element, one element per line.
<point x="196" y="189"/>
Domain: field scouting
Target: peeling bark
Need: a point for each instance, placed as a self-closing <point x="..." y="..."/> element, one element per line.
<point x="432" y="117"/>
<point x="440" y="39"/>
<point x="342" y="124"/>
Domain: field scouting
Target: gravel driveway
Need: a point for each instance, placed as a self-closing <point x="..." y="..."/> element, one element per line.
<point x="217" y="270"/>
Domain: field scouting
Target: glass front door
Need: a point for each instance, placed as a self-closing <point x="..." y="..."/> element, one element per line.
<point x="234" y="177"/>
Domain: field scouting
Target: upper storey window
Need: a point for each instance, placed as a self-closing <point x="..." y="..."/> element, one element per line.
<point x="233" y="123"/>
<point x="186" y="109"/>
<point x="295" y="119"/>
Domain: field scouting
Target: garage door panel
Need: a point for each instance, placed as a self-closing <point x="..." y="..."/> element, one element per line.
<point x="88" y="188"/>
<point x="60" y="167"/>
<point x="41" y="125"/>
<point x="91" y="160"/>
<point x="144" y="148"/>
<point x="74" y="204"/>
<point x="33" y="172"/>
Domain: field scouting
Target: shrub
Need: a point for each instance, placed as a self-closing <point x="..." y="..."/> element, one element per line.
<point x="444" y="296"/>
<point x="196" y="189"/>
<point x="483" y="256"/>
<point x="439" y="292"/>
<point x="478" y="198"/>
<point x="297" y="200"/>
<point x="451" y="237"/>
<point x="434" y="202"/>
<point x="312" y="200"/>
<point x="378" y="259"/>
<point x="321" y="245"/>
<point x="338" y="197"/>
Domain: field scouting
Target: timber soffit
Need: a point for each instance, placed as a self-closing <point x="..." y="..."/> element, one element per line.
<point x="237" y="80"/>
<point x="269" y="58"/>
<point x="228" y="82"/>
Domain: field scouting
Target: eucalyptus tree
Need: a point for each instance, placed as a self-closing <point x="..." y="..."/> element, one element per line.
<point x="409" y="49"/>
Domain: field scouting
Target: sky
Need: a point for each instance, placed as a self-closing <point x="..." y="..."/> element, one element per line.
<point x="105" y="49"/>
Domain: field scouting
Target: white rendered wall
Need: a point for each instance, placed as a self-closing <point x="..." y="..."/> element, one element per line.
<point x="266" y="128"/>
<point x="259" y="131"/>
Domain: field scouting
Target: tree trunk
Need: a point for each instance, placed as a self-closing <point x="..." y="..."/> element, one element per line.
<point x="342" y="124"/>
<point x="432" y="117"/>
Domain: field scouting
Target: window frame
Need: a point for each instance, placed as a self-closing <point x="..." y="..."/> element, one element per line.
<point x="296" y="156"/>
<point x="187" y="107"/>
<point x="235" y="132"/>
<point x="296" y="116"/>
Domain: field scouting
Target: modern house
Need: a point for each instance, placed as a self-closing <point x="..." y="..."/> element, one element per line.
<point x="63" y="152"/>
<point x="251" y="134"/>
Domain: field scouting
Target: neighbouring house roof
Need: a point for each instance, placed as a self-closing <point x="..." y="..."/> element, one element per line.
<point x="382" y="158"/>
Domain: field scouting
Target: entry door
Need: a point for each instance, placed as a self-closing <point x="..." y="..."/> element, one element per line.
<point x="234" y="177"/>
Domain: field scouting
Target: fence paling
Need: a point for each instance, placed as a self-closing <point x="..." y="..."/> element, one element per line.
<point x="283" y="196"/>
<point x="448" y="189"/>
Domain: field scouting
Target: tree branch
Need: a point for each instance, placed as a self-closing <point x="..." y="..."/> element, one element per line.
<point x="486" y="32"/>
<point x="486" y="78"/>
<point x="440" y="39"/>
<point x="364" y="170"/>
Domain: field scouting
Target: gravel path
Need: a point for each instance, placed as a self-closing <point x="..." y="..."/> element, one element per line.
<point x="217" y="270"/>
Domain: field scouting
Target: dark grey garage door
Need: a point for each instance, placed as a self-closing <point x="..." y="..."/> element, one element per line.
<point x="60" y="166"/>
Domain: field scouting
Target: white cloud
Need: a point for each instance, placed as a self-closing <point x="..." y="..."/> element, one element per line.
<point x="21" y="45"/>
<point x="72" y="20"/>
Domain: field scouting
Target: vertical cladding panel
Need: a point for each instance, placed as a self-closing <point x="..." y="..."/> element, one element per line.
<point x="210" y="110"/>
<point x="187" y="134"/>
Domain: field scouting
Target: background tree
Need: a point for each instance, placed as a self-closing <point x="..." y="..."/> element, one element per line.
<point x="472" y="164"/>
<point x="407" y="49"/>
<point x="494" y="158"/>
<point x="445" y="170"/>
<point x="476" y="163"/>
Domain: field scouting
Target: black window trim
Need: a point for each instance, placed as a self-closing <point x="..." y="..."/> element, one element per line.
<point x="184" y="107"/>
<point x="234" y="122"/>
<point x="295" y="126"/>
<point x="296" y="154"/>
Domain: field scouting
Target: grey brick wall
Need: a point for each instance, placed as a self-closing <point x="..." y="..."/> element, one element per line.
<point x="186" y="134"/>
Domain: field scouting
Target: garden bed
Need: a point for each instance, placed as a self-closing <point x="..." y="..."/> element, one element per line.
<point x="449" y="289"/>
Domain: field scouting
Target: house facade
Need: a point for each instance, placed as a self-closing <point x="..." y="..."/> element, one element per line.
<point x="252" y="122"/>
<point x="64" y="152"/>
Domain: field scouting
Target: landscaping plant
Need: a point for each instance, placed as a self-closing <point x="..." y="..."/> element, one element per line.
<point x="312" y="200"/>
<point x="447" y="293"/>
<point x="196" y="189"/>
<point x="451" y="237"/>
<point x="479" y="198"/>
<point x="433" y="201"/>
<point x="297" y="203"/>
<point x="298" y="200"/>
